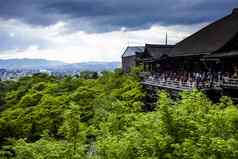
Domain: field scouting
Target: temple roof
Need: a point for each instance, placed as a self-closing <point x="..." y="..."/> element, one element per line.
<point x="209" y="39"/>
<point x="132" y="50"/>
<point x="157" y="51"/>
<point x="224" y="54"/>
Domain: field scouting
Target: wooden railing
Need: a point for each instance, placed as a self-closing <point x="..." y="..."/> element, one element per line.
<point x="178" y="85"/>
<point x="156" y="80"/>
<point x="230" y="82"/>
<point x="173" y="84"/>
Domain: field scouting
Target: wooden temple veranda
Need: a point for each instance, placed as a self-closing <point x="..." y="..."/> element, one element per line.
<point x="206" y="60"/>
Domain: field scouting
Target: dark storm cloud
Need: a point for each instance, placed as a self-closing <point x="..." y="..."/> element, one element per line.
<point x="108" y="15"/>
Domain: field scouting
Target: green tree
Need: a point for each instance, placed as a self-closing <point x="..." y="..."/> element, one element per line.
<point x="74" y="131"/>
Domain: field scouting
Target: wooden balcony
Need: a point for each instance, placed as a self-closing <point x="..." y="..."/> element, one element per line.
<point x="231" y="83"/>
<point x="159" y="81"/>
<point x="180" y="86"/>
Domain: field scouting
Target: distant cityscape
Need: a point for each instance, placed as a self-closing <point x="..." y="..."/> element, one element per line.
<point x="13" y="69"/>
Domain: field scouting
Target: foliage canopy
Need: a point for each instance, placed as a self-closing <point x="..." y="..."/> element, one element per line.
<point x="102" y="117"/>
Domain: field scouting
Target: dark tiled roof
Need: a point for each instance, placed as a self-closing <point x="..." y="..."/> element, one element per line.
<point x="132" y="50"/>
<point x="224" y="54"/>
<point x="157" y="51"/>
<point x="209" y="39"/>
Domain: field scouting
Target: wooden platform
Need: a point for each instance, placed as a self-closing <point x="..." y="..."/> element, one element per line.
<point x="174" y="85"/>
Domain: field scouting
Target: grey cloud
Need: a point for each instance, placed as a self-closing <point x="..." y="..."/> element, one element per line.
<point x="108" y="15"/>
<point x="12" y="39"/>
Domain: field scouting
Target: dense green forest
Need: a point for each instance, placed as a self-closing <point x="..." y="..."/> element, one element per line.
<point x="80" y="117"/>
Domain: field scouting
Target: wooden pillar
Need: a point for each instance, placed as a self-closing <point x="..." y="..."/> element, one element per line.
<point x="144" y="67"/>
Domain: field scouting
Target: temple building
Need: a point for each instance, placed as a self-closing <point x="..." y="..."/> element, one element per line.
<point x="207" y="60"/>
<point x="153" y="56"/>
<point x="129" y="57"/>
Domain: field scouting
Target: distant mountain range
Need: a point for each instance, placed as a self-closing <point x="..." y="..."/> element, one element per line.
<point x="90" y="66"/>
<point x="13" y="64"/>
<point x="28" y="63"/>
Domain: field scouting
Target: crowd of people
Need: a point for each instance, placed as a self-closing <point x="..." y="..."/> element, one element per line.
<point x="190" y="79"/>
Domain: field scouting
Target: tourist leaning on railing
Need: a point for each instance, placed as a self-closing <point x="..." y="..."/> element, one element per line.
<point x="189" y="79"/>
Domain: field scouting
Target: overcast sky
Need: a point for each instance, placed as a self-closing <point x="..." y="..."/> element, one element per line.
<point x="98" y="30"/>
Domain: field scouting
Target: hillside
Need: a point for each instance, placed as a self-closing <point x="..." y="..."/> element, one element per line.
<point x="57" y="65"/>
<point x="90" y="66"/>
<point x="28" y="63"/>
<point x="102" y="117"/>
